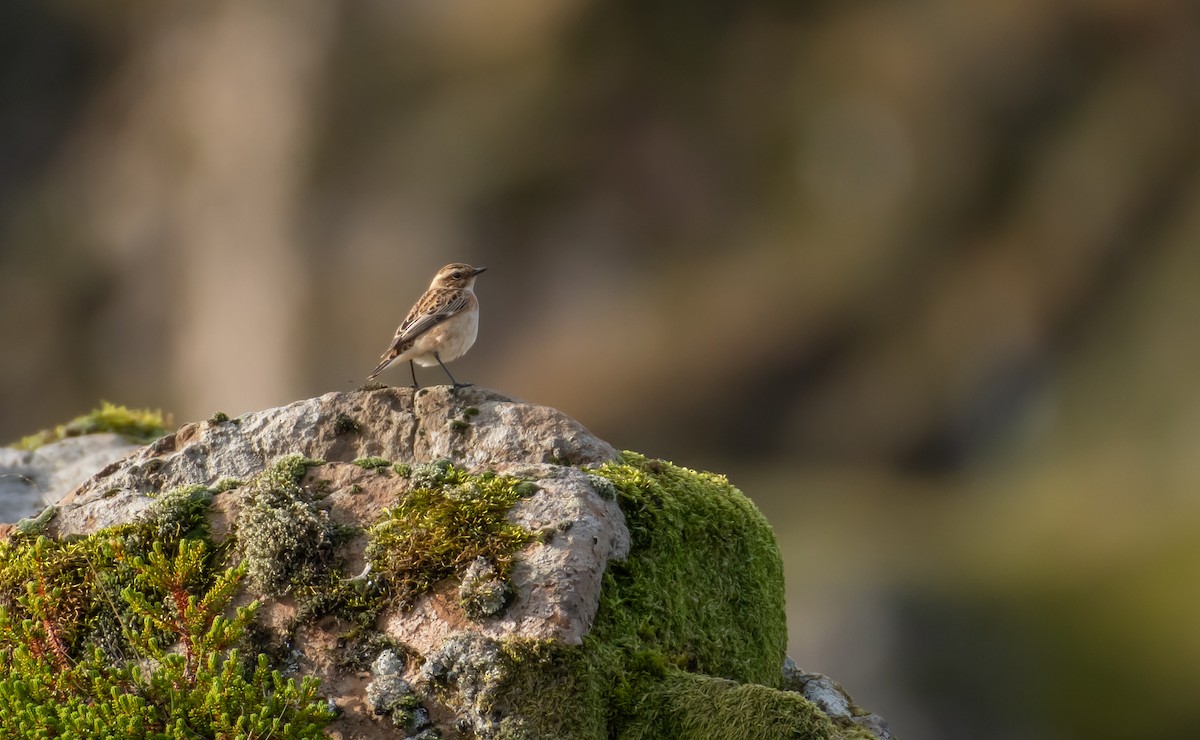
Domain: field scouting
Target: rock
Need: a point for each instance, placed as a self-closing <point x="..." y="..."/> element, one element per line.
<point x="476" y="428"/>
<point x="500" y="571"/>
<point x="32" y="479"/>
<point x="833" y="700"/>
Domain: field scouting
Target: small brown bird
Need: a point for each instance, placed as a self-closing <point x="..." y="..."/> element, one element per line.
<point x="441" y="326"/>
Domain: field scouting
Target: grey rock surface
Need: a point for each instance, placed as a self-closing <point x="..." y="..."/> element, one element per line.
<point x="33" y="479"/>
<point x="557" y="584"/>
<point x="833" y="700"/>
<point x="476" y="428"/>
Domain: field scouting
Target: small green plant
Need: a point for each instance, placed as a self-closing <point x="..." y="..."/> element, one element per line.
<point x="167" y="605"/>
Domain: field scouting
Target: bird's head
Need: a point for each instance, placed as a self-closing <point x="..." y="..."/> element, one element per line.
<point x="456" y="275"/>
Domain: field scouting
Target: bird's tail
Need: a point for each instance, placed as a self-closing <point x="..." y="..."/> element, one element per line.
<point x="387" y="359"/>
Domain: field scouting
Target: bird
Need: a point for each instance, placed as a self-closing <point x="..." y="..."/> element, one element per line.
<point x="440" y="327"/>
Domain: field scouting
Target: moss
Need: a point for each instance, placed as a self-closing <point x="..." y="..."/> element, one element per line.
<point x="125" y="633"/>
<point x="227" y="484"/>
<point x="402" y="469"/>
<point x="138" y="425"/>
<point x="218" y="417"/>
<point x="689" y="706"/>
<point x="447" y="521"/>
<point x="179" y="513"/>
<point x="345" y="424"/>
<point x="689" y="637"/>
<point x="373" y="463"/>
<point x="37" y="524"/>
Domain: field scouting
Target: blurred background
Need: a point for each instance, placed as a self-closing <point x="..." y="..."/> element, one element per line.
<point x="923" y="278"/>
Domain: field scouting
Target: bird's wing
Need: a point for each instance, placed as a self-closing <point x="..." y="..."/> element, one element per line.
<point x="433" y="308"/>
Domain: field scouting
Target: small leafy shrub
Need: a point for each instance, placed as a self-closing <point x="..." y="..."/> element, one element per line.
<point x="121" y="635"/>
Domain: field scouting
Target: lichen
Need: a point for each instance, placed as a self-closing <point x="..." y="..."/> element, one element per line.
<point x="37" y="524"/>
<point x="483" y="592"/>
<point x="137" y="425"/>
<point x="283" y="532"/>
<point x="392" y="696"/>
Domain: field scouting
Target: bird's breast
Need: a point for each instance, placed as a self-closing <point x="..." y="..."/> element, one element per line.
<point x="450" y="339"/>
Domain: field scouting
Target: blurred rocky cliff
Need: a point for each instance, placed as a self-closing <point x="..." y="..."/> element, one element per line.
<point x="929" y="269"/>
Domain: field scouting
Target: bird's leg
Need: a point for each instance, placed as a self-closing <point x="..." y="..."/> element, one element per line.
<point x="413" y="369"/>
<point x="454" y="382"/>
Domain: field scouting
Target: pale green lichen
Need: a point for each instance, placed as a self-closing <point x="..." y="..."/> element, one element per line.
<point x="137" y="425"/>
<point x="483" y="592"/>
<point x="282" y="529"/>
<point x="37" y="524"/>
<point x="392" y="696"/>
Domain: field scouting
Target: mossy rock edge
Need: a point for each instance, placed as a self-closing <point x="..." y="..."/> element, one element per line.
<point x="687" y="643"/>
<point x="153" y="627"/>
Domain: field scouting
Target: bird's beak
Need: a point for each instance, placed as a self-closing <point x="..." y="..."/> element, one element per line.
<point x="477" y="270"/>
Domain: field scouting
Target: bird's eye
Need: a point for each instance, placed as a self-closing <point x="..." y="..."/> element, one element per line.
<point x="456" y="275"/>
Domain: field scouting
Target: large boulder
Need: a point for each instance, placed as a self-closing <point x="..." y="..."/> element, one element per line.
<point x="447" y="562"/>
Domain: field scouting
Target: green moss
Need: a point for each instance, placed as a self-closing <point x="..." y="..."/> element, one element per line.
<point x="138" y="425"/>
<point x="689" y="706"/>
<point x="373" y="463"/>
<point x="402" y="469"/>
<point x="345" y="424"/>
<point x="703" y="565"/>
<point x="218" y="417"/>
<point x="448" y="520"/>
<point x="125" y="633"/>
<point x="689" y="638"/>
<point x="227" y="484"/>
<point x="179" y="513"/>
<point x="37" y="524"/>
